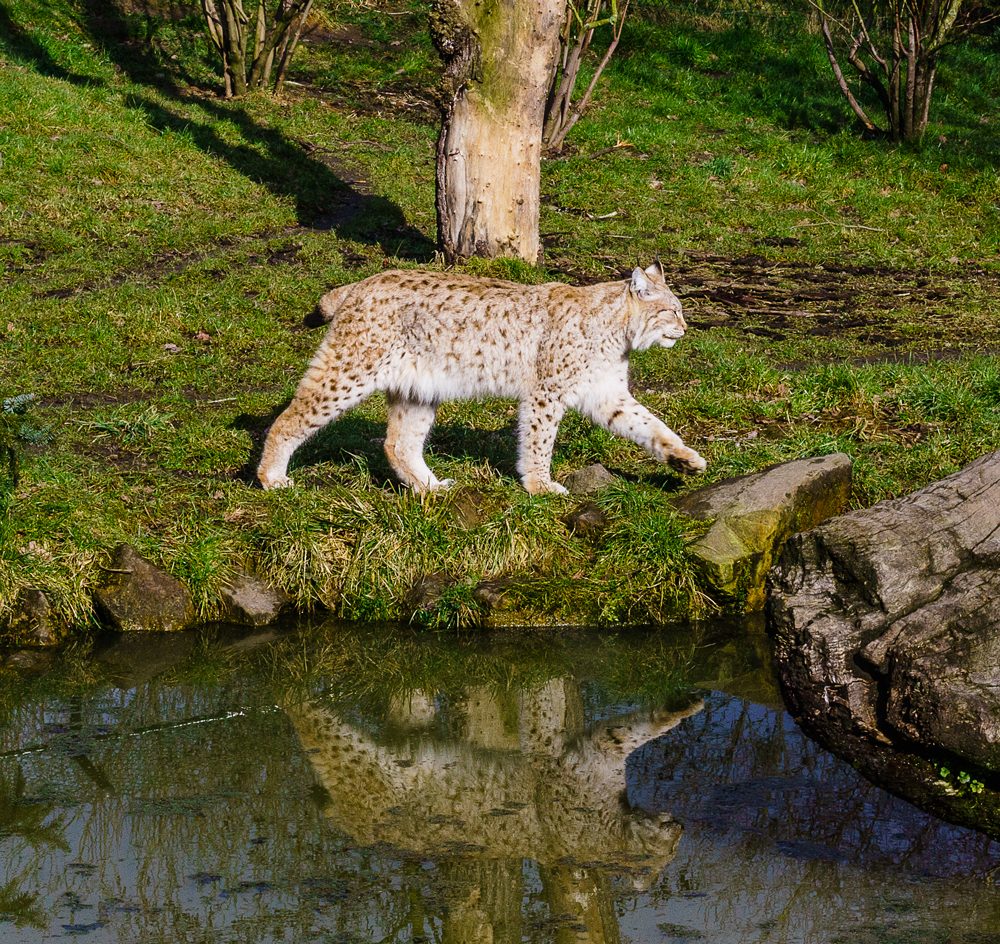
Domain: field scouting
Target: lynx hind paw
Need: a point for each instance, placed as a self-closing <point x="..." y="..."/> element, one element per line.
<point x="546" y="488"/>
<point x="268" y="483"/>
<point x="687" y="461"/>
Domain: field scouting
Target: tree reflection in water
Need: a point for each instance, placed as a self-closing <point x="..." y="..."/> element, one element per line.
<point x="25" y="826"/>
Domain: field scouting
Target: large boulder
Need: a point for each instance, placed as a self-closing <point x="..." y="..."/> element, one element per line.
<point x="136" y="596"/>
<point x="887" y="621"/>
<point x="755" y="514"/>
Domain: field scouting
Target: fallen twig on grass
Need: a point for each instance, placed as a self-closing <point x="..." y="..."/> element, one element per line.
<point x="874" y="229"/>
<point x="587" y="157"/>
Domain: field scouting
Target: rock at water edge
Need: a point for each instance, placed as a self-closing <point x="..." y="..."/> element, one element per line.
<point x="753" y="517"/>
<point x="887" y="620"/>
<point x="136" y="596"/>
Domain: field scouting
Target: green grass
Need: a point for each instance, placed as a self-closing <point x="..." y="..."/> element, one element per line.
<point x="752" y="142"/>
<point x="159" y="247"/>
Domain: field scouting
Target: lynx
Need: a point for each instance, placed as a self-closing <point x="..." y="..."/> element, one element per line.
<point x="424" y="337"/>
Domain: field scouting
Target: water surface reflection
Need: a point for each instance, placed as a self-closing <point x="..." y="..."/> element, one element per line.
<point x="340" y="785"/>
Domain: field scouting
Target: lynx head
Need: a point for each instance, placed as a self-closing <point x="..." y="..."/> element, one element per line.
<point x="655" y="312"/>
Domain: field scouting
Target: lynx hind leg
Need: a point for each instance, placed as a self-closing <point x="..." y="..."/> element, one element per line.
<point x="625" y="416"/>
<point x="324" y="393"/>
<point x="537" y="427"/>
<point x="408" y="424"/>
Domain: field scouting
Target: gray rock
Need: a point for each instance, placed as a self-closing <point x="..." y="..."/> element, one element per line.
<point x="887" y="620"/>
<point x="249" y="600"/>
<point x="589" y="480"/>
<point x="253" y="641"/>
<point x="33" y="623"/>
<point x="30" y="661"/>
<point x="489" y="593"/>
<point x="753" y="517"/>
<point x="427" y="591"/>
<point x="136" y="596"/>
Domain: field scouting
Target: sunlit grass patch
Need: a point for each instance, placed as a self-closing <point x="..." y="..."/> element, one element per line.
<point x="160" y="247"/>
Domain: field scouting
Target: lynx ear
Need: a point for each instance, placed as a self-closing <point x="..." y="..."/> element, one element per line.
<point x="656" y="269"/>
<point x="641" y="286"/>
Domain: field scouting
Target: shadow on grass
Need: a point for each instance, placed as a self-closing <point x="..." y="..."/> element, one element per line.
<point x="127" y="35"/>
<point x="256" y="426"/>
<point x="323" y="200"/>
<point x="343" y="442"/>
<point x="18" y="42"/>
<point x="354" y="439"/>
<point x="126" y="32"/>
<point x="351" y="440"/>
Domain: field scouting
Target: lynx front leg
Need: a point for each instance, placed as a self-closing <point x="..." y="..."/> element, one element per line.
<point x="626" y="417"/>
<point x="407" y="427"/>
<point x="317" y="403"/>
<point x="538" y="424"/>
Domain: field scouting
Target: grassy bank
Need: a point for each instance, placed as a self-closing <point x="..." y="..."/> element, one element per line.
<point x="159" y="247"/>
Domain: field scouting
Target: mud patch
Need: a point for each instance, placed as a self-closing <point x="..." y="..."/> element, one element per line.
<point x="89" y="399"/>
<point x="893" y="315"/>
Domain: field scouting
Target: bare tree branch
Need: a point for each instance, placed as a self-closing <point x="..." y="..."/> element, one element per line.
<point x="904" y="39"/>
<point x="288" y="50"/>
<point x="561" y="113"/>
<point x="851" y="100"/>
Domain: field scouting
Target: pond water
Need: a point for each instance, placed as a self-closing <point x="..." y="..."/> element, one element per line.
<point x="350" y="784"/>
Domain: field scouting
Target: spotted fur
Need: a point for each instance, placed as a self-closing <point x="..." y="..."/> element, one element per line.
<point x="426" y="337"/>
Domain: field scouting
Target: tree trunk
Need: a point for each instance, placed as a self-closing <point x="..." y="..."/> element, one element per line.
<point x="499" y="60"/>
<point x="239" y="36"/>
<point x="233" y="23"/>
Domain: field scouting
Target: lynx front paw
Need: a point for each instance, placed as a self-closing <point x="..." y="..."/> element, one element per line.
<point x="686" y="460"/>
<point x="434" y="485"/>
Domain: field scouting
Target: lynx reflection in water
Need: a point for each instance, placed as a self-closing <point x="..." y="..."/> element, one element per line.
<point x="530" y="783"/>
